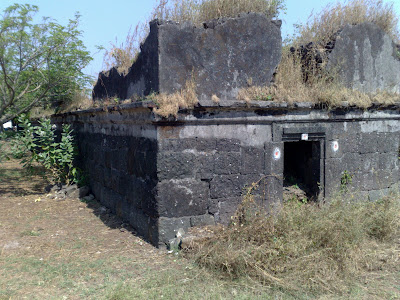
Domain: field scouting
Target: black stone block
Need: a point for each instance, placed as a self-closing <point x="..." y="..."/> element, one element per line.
<point x="253" y="160"/>
<point x="172" y="165"/>
<point x="179" y="198"/>
<point x="368" y="143"/>
<point x="199" y="144"/>
<point x="168" y="227"/>
<point x="227" y="163"/>
<point x="225" y="186"/>
<point x="205" y="166"/>
<point x="226" y="209"/>
<point x="204" y="220"/>
<point x="228" y="145"/>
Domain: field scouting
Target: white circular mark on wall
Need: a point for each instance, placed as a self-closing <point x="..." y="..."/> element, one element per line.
<point x="335" y="146"/>
<point x="277" y="153"/>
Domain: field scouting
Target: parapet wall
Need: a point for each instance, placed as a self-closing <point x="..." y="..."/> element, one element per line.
<point x="222" y="57"/>
<point x="229" y="54"/>
<point x="365" y="58"/>
<point x="161" y="175"/>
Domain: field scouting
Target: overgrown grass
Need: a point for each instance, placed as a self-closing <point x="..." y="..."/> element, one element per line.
<point x="301" y="79"/>
<point x="169" y="104"/>
<point x="198" y="11"/>
<point x="323" y="26"/>
<point x="122" y="55"/>
<point x="321" y="87"/>
<point x="306" y="248"/>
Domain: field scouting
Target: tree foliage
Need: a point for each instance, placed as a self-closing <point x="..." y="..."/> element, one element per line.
<point x="40" y="63"/>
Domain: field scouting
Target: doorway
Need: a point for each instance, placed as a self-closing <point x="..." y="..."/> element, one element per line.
<point x="302" y="168"/>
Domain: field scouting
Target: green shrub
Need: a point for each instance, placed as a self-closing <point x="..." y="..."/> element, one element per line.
<point x="39" y="144"/>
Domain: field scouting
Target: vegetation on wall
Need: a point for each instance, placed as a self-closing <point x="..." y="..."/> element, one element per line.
<point x="323" y="26"/>
<point x="169" y="104"/>
<point x="300" y="79"/>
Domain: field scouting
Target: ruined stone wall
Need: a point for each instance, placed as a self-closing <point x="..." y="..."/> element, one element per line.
<point x="223" y="56"/>
<point x="369" y="152"/>
<point x="162" y="174"/>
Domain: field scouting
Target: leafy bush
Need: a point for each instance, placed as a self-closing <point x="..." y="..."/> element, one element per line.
<point x="39" y="144"/>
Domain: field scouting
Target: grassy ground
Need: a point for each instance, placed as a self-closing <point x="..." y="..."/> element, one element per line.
<point x="69" y="249"/>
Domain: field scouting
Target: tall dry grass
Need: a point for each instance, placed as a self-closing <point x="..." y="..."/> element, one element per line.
<point x="321" y="87"/>
<point x="169" y="104"/>
<point x="305" y="248"/>
<point x="322" y="27"/>
<point x="198" y="11"/>
<point x="122" y="55"/>
<point x="301" y="79"/>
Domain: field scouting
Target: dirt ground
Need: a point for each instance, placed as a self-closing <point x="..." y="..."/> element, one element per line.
<point x="70" y="249"/>
<point x="37" y="229"/>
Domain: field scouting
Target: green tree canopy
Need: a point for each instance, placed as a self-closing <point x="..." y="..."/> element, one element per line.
<point x="39" y="63"/>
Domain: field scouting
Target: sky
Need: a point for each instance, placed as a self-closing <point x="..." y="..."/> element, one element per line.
<point x="104" y="21"/>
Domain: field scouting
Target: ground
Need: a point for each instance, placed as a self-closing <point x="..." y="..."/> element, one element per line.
<point x="53" y="248"/>
<point x="71" y="249"/>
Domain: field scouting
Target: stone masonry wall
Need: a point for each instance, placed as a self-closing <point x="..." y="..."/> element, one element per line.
<point x="222" y="56"/>
<point x="162" y="175"/>
<point x="203" y="170"/>
<point x="119" y="151"/>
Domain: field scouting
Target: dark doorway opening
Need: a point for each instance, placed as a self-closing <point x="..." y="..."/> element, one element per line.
<point x="302" y="166"/>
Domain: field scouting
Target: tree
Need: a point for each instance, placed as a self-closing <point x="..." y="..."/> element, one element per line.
<point x="39" y="63"/>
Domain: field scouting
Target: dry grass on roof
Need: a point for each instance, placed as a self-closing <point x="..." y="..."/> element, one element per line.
<point x="321" y="87"/>
<point x="321" y="27"/>
<point x="198" y="11"/>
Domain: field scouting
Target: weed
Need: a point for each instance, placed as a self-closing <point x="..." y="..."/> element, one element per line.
<point x="29" y="233"/>
<point x="304" y="248"/>
<point x="322" y="27"/>
<point x="345" y="181"/>
<point x="41" y="145"/>
<point x="169" y="104"/>
<point x="300" y="79"/>
<point x="215" y="99"/>
<point x="124" y="54"/>
<point x="321" y="87"/>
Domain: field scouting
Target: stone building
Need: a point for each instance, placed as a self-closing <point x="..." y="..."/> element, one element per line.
<point x="162" y="174"/>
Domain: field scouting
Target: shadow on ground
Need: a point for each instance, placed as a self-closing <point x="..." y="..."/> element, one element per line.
<point x="16" y="181"/>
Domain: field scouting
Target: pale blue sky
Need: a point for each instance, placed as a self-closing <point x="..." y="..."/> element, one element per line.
<point x="103" y="21"/>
